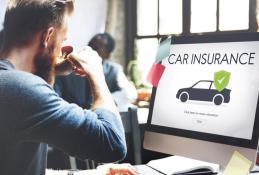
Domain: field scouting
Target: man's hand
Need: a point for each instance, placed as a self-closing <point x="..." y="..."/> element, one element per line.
<point x="116" y="169"/>
<point x="86" y="62"/>
<point x="107" y="169"/>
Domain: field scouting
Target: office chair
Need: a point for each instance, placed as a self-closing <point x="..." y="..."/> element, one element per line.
<point x="132" y="132"/>
<point x="89" y="164"/>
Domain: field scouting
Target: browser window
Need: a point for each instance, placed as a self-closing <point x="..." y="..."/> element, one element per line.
<point x="209" y="88"/>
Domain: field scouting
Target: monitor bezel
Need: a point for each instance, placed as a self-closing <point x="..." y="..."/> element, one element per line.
<point x="194" y="39"/>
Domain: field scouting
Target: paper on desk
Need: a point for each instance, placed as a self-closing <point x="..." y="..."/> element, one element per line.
<point x="177" y="164"/>
<point x="238" y="165"/>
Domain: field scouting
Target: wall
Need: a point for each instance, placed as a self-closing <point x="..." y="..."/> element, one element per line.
<point x="88" y="19"/>
<point x="2" y="10"/>
<point x="115" y="25"/>
<point x="257" y="13"/>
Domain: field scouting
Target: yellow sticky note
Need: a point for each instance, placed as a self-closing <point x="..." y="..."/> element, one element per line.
<point x="238" y="165"/>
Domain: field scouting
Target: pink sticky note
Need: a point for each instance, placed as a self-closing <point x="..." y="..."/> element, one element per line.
<point x="155" y="74"/>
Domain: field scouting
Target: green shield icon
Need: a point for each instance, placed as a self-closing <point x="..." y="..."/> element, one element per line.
<point x="221" y="79"/>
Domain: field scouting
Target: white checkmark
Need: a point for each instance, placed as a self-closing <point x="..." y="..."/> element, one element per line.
<point x="220" y="80"/>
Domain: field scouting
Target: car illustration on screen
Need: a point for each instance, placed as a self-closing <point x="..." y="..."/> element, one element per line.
<point x="203" y="91"/>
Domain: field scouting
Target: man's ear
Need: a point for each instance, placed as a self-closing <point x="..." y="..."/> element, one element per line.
<point x="47" y="36"/>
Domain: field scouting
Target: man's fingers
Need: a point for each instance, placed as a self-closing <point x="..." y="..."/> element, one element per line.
<point x="74" y="60"/>
<point x="85" y="55"/>
<point x="123" y="172"/>
<point x="80" y="72"/>
<point x="123" y="169"/>
<point x="118" y="169"/>
<point x="86" y="48"/>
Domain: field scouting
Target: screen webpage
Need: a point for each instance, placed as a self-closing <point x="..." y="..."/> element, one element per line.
<point x="210" y="88"/>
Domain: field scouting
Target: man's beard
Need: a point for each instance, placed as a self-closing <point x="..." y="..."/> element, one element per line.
<point x="44" y="65"/>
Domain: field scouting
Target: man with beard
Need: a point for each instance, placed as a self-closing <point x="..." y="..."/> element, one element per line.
<point x="32" y="114"/>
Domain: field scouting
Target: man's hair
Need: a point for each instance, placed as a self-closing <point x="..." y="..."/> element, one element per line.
<point x="107" y="40"/>
<point x="24" y="18"/>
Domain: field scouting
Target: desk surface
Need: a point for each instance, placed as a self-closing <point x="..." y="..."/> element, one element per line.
<point x="174" y="164"/>
<point x="146" y="170"/>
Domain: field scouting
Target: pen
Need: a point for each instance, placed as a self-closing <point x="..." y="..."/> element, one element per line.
<point x="255" y="171"/>
<point x="198" y="173"/>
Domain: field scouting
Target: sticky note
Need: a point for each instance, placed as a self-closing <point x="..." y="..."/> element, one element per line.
<point x="163" y="50"/>
<point x="238" y="165"/>
<point x="155" y="74"/>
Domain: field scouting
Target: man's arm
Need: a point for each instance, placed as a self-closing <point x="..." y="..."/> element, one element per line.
<point x="88" y="63"/>
<point x="95" y="134"/>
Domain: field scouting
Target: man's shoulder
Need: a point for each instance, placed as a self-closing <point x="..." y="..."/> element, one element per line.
<point x="21" y="77"/>
<point x="22" y="83"/>
<point x="23" y="88"/>
<point x="112" y="65"/>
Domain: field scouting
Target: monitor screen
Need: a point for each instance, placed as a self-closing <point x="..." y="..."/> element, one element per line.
<point x="209" y="90"/>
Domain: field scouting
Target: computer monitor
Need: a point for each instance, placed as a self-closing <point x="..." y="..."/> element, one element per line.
<point x="206" y="103"/>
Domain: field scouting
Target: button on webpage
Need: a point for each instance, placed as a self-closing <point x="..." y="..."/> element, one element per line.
<point x="198" y="121"/>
